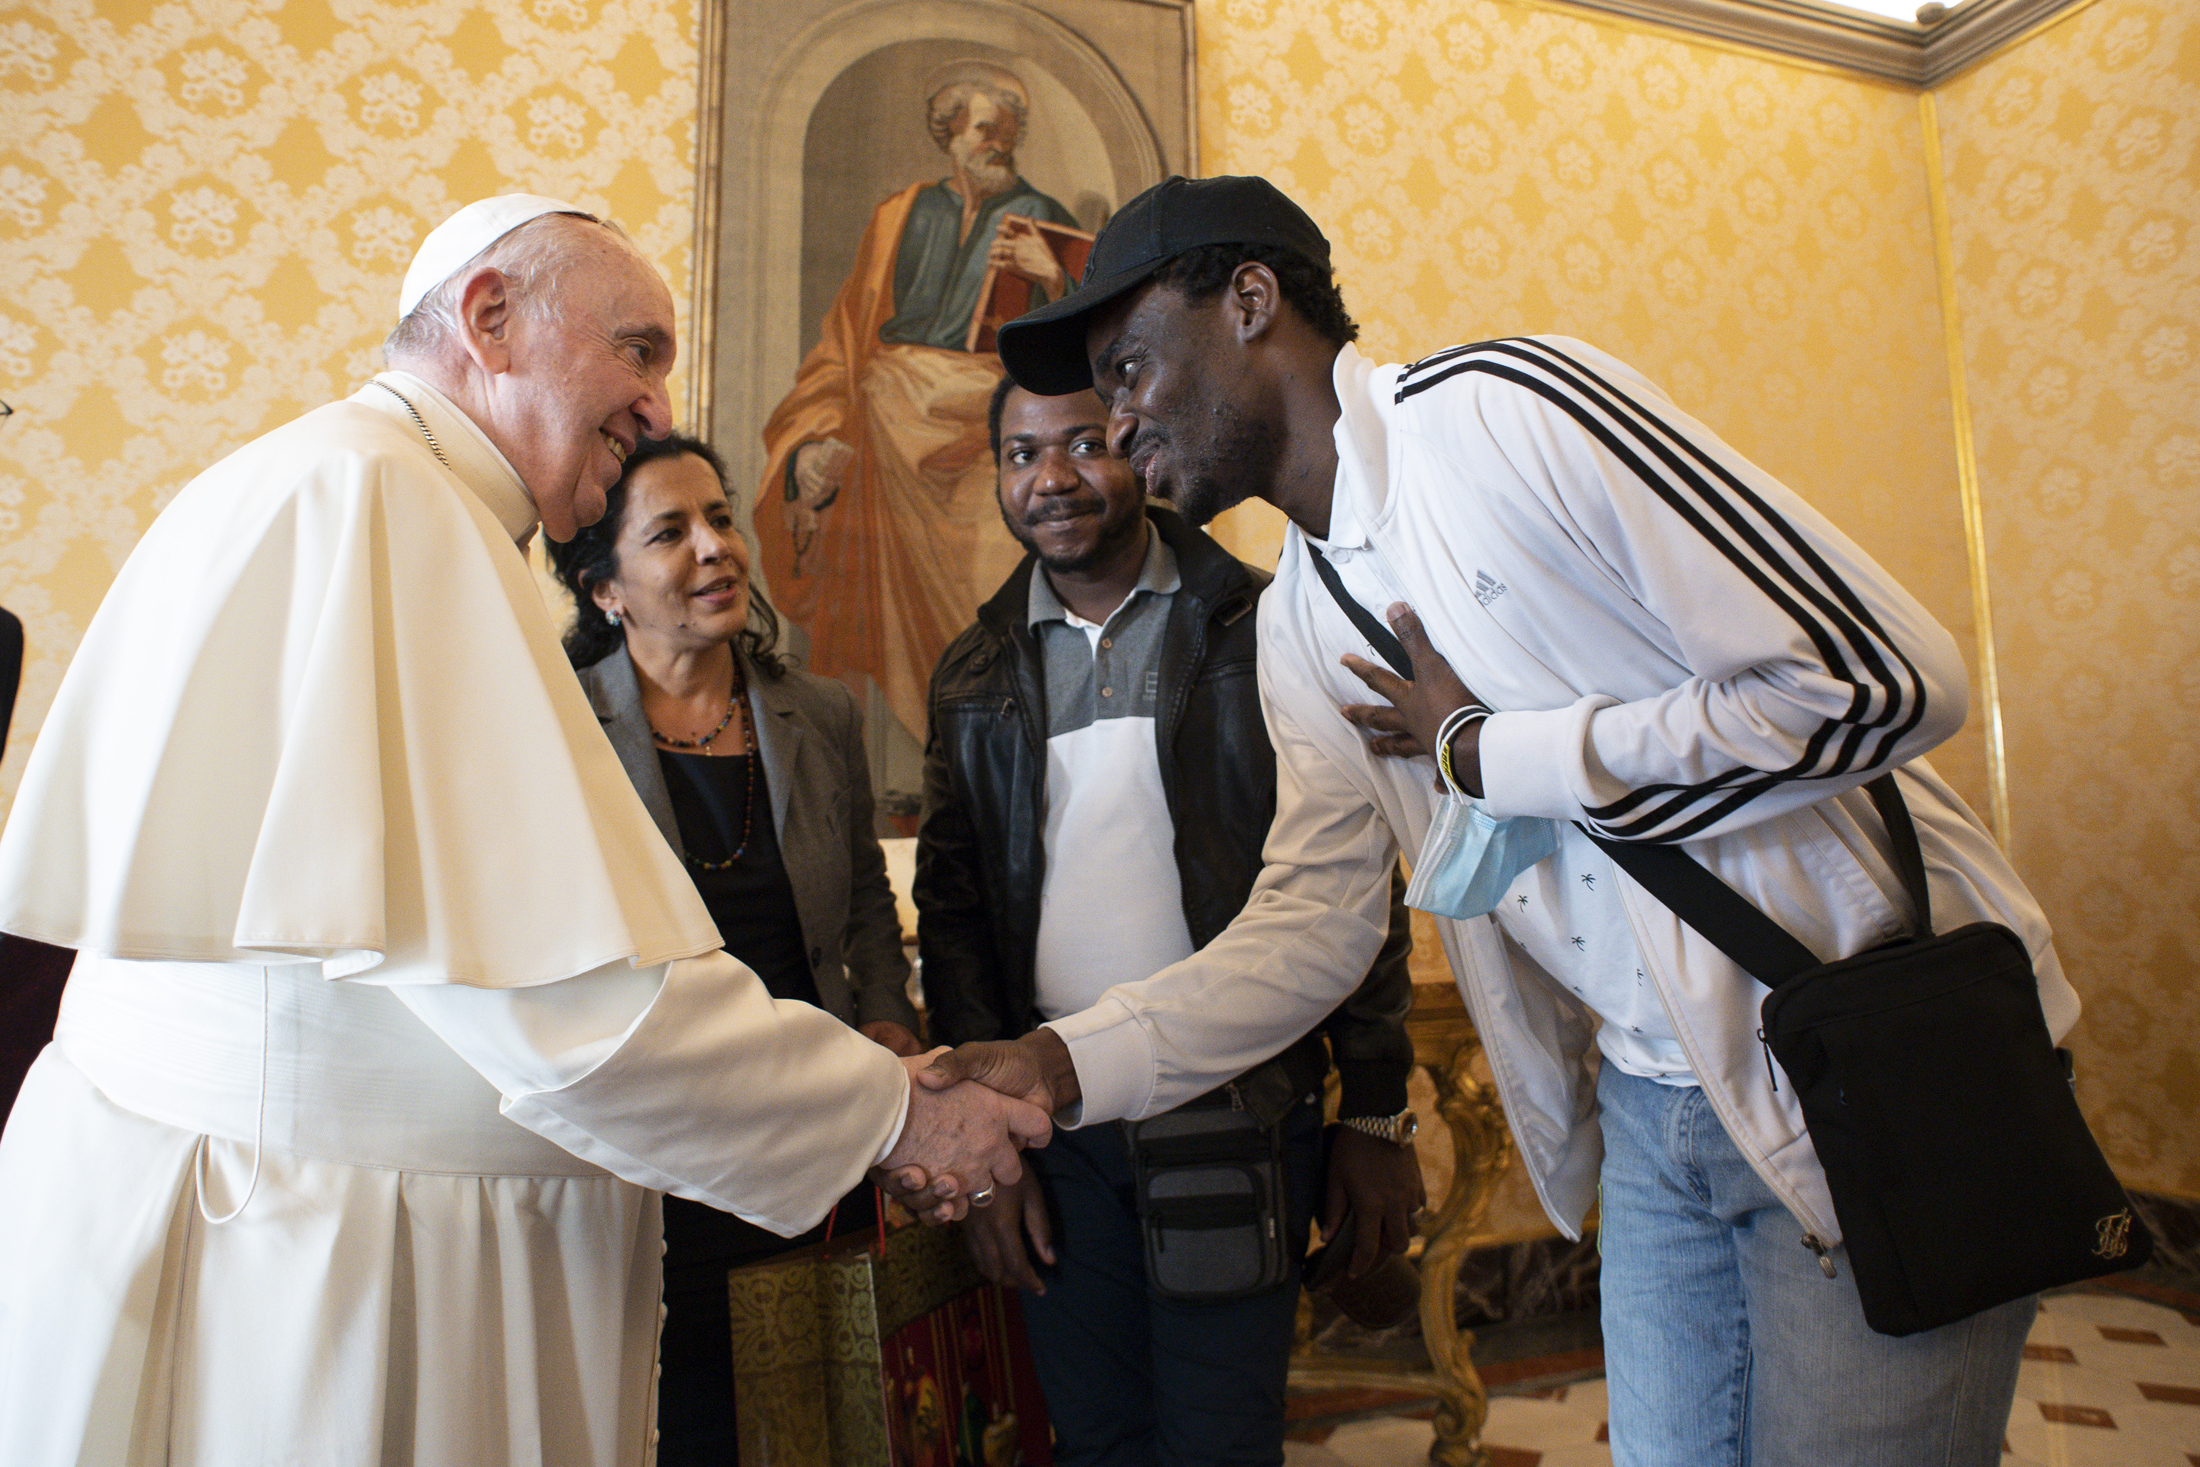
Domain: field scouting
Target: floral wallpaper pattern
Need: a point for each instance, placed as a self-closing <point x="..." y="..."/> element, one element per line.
<point x="206" y="208"/>
<point x="2073" y="167"/>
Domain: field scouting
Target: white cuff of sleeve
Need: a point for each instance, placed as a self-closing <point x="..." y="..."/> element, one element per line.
<point x="893" y="1137"/>
<point x="1114" y="1057"/>
<point x="1524" y="758"/>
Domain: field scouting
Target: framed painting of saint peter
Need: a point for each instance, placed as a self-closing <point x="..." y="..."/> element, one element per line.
<point x="886" y="181"/>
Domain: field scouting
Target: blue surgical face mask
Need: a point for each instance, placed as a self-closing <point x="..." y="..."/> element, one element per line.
<point x="1471" y="857"/>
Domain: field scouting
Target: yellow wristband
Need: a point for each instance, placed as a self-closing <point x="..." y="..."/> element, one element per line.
<point x="1455" y="721"/>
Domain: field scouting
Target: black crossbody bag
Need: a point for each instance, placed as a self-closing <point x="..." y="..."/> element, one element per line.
<point x="1962" y="1172"/>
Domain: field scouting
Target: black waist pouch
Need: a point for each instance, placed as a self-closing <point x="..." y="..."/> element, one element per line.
<point x="1210" y="1198"/>
<point x="1962" y="1173"/>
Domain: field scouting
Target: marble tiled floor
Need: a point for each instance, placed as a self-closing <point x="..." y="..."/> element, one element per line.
<point x="2109" y="1380"/>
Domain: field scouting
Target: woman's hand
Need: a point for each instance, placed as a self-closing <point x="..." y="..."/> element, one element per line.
<point x="893" y="1036"/>
<point x="995" y="1235"/>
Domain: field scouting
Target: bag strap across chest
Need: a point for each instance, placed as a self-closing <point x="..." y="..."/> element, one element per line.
<point x="1762" y="948"/>
<point x="1380" y="637"/>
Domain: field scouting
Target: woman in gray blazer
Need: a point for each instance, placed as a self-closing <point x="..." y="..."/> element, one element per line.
<point x="756" y="774"/>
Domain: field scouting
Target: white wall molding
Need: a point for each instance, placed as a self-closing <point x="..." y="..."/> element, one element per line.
<point x="1890" y="50"/>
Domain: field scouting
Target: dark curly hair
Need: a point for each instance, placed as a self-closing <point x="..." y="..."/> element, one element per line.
<point x="1001" y="390"/>
<point x="1311" y="289"/>
<point x="591" y="557"/>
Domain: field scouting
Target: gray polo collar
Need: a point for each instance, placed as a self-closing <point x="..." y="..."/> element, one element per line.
<point x="1158" y="576"/>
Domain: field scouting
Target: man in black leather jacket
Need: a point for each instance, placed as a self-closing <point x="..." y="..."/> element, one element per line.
<point x="1167" y="614"/>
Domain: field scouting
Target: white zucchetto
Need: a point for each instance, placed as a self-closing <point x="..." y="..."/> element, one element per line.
<point x="466" y="234"/>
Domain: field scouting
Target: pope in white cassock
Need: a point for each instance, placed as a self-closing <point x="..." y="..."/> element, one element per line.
<point x="394" y="1013"/>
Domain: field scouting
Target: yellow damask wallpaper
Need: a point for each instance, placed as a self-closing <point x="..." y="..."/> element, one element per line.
<point x="1752" y="235"/>
<point x="206" y="207"/>
<point x="2073" y="166"/>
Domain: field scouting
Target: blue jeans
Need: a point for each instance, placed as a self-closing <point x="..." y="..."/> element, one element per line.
<point x="1725" y="1344"/>
<point x="1132" y="1379"/>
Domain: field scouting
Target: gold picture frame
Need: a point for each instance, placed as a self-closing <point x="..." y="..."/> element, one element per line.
<point x="813" y="112"/>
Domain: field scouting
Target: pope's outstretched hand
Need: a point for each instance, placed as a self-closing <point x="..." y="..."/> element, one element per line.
<point x="959" y="1142"/>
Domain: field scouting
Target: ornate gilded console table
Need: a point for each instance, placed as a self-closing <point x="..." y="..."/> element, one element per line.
<point x="1445" y="1045"/>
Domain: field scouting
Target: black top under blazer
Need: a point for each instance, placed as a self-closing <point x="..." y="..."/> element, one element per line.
<point x="809" y="736"/>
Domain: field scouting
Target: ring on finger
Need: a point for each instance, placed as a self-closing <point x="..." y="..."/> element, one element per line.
<point x="982" y="1197"/>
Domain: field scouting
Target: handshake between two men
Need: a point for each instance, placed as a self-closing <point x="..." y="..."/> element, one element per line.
<point x="971" y="1109"/>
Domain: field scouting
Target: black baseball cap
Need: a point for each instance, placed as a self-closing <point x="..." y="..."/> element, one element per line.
<point x="1044" y="350"/>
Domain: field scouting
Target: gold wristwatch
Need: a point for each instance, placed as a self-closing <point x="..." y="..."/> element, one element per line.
<point x="1399" y="1129"/>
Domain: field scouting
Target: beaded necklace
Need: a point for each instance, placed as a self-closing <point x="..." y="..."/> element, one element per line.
<point x="733" y="702"/>
<point x="748" y="744"/>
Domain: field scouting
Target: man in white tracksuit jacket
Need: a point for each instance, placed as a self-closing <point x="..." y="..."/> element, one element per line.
<point x="1679" y="648"/>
